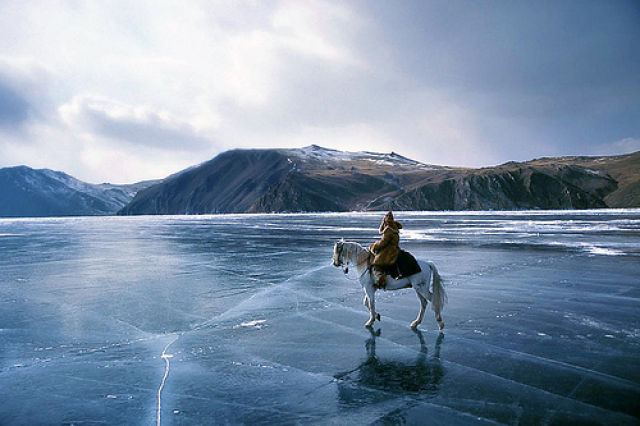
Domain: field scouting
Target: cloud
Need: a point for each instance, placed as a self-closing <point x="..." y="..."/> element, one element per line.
<point x="306" y="29"/>
<point x="14" y="108"/>
<point x="142" y="89"/>
<point x="256" y="66"/>
<point x="24" y="86"/>
<point x="622" y="146"/>
<point x="132" y="124"/>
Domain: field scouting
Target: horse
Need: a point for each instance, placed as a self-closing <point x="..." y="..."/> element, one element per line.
<point x="427" y="283"/>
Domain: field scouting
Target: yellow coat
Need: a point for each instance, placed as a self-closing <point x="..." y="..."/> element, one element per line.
<point x="387" y="248"/>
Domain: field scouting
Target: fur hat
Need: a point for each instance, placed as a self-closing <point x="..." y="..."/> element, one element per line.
<point x="389" y="221"/>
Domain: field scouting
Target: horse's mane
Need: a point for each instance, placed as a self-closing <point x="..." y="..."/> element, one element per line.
<point x="361" y="252"/>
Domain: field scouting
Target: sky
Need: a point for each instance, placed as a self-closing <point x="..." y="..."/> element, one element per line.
<point x="122" y="91"/>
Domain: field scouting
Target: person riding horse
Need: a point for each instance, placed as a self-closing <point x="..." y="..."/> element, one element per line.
<point x="386" y="250"/>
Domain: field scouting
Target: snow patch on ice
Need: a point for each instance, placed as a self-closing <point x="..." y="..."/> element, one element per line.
<point x="255" y="323"/>
<point x="417" y="235"/>
<point x="604" y="251"/>
<point x="587" y="248"/>
<point x="600" y="325"/>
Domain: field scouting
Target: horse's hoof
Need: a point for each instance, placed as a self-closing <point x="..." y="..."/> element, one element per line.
<point x="368" y="324"/>
<point x="414" y="325"/>
<point x="440" y="325"/>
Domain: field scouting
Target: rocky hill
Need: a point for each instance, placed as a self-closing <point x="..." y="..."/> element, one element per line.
<point x="320" y="179"/>
<point x="28" y="192"/>
<point x="624" y="169"/>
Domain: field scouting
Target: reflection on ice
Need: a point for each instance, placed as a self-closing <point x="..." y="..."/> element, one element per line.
<point x="422" y="375"/>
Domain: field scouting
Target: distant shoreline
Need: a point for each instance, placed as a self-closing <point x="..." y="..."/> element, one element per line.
<point x="532" y="212"/>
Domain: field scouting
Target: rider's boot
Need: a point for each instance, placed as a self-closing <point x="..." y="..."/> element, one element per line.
<point x="381" y="283"/>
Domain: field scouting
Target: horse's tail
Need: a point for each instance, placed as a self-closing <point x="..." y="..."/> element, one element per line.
<point x="439" y="297"/>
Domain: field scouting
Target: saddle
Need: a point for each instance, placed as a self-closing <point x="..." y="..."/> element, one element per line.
<point x="405" y="266"/>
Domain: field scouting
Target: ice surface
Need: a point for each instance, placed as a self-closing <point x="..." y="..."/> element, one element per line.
<point x="242" y="319"/>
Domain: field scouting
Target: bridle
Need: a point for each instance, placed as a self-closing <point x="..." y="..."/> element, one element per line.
<point x="345" y="263"/>
<point x="341" y="263"/>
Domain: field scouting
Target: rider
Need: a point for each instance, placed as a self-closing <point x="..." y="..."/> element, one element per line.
<point x="386" y="250"/>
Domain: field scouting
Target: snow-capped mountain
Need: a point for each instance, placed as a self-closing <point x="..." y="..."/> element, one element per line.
<point x="318" y="154"/>
<point x="29" y="192"/>
<point x="319" y="179"/>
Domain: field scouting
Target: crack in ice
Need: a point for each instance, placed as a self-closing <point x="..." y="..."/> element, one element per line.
<point x="166" y="357"/>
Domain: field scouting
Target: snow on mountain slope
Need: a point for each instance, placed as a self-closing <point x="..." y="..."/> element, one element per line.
<point x="315" y="153"/>
<point x="28" y="192"/>
<point x="319" y="179"/>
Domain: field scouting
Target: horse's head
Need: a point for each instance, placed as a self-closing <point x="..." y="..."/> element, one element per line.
<point x="338" y="251"/>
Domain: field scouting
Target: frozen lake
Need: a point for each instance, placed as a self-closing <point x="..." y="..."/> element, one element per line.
<point x="242" y="319"/>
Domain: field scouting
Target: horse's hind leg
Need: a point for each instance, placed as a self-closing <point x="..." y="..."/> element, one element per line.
<point x="423" y="292"/>
<point x="423" y="306"/>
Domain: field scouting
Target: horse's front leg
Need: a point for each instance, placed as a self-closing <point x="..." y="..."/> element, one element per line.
<point x="365" y="301"/>
<point x="370" y="298"/>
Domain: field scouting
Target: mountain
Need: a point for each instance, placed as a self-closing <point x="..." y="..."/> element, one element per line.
<point x="624" y="169"/>
<point x="28" y="192"/>
<point x="319" y="179"/>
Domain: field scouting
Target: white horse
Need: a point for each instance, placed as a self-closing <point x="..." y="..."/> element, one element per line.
<point x="351" y="253"/>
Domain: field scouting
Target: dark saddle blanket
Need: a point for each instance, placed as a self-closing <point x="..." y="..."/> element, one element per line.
<point x="405" y="266"/>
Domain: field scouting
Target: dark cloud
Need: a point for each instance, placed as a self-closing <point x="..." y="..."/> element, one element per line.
<point x="24" y="94"/>
<point x="564" y="73"/>
<point x="524" y="79"/>
<point x="137" y="126"/>
<point x="460" y="83"/>
<point x="14" y="107"/>
<point x="152" y="131"/>
<point x="518" y="45"/>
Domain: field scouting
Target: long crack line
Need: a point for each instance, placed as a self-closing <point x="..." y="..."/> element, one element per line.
<point x="167" y="364"/>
